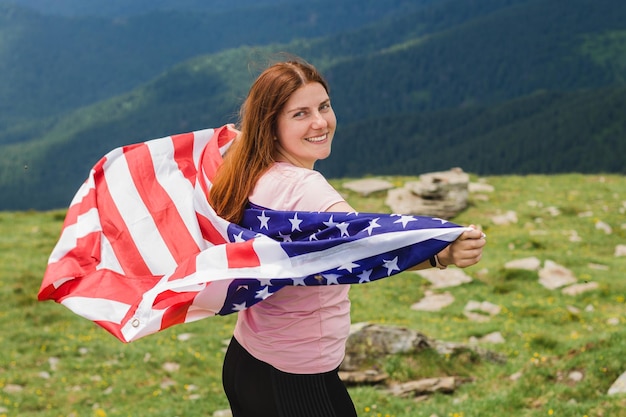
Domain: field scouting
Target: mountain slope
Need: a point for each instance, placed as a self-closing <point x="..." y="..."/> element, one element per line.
<point x="496" y="87"/>
<point x="49" y="65"/>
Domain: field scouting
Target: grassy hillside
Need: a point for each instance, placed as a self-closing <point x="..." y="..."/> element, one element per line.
<point x="55" y="363"/>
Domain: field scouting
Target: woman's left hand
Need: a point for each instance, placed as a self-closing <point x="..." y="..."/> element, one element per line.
<point x="465" y="251"/>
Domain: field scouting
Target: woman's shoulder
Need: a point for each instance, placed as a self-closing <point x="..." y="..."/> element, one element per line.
<point x="288" y="187"/>
<point x="286" y="171"/>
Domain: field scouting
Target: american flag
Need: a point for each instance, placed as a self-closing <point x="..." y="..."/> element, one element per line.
<point x="142" y="250"/>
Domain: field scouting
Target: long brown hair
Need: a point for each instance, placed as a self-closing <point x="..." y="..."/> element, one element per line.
<point x="252" y="153"/>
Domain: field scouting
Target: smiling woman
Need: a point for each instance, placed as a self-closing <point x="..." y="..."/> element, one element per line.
<point x="285" y="353"/>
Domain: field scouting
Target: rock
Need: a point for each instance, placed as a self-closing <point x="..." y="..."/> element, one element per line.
<point x="368" y="377"/>
<point x="433" y="302"/>
<point x="530" y="264"/>
<point x="580" y="288"/>
<point x="371" y="341"/>
<point x="505" y="219"/>
<point x="485" y="307"/>
<point x="553" y="276"/>
<point x="438" y="194"/>
<point x="480" y="187"/>
<point x="620" y="250"/>
<point x="619" y="386"/>
<point x="480" y="312"/>
<point x="171" y="367"/>
<point x="427" y="386"/>
<point x="444" y="278"/>
<point x="600" y="225"/>
<point x="13" y="388"/>
<point x="368" y="186"/>
<point x="574" y="237"/>
<point x="223" y="413"/>
<point x="553" y="211"/>
<point x="575" y="376"/>
<point x="452" y="348"/>
<point x="494" y="338"/>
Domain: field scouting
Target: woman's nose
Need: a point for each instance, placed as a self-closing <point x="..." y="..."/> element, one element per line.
<point x="320" y="121"/>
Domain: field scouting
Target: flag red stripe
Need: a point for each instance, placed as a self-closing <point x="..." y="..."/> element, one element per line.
<point x="169" y="223"/>
<point x="183" y="155"/>
<point x="211" y="156"/>
<point x="115" y="229"/>
<point x="242" y="255"/>
<point x="209" y="232"/>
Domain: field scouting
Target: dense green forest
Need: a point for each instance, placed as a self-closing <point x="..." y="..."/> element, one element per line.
<point x="495" y="87"/>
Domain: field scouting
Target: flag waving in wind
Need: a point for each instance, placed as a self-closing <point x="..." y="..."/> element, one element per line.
<point x="142" y="250"/>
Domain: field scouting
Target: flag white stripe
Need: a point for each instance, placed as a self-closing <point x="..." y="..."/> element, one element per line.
<point x="85" y="223"/>
<point x="137" y="218"/>
<point x="97" y="309"/>
<point x="177" y="187"/>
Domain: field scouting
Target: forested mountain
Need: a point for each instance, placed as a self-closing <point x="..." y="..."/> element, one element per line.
<point x="496" y="87"/>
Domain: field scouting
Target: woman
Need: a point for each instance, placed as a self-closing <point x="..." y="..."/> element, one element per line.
<point x="285" y="353"/>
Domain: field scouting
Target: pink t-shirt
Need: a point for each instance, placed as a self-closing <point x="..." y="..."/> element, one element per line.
<point x="300" y="330"/>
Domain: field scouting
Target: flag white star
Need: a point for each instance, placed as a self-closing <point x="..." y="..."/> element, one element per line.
<point x="405" y="219"/>
<point x="313" y="237"/>
<point x="239" y="238"/>
<point x="331" y="279"/>
<point x="348" y="267"/>
<point x="239" y="307"/>
<point x="265" y="281"/>
<point x="373" y="225"/>
<point x="263" y="294"/>
<point x="391" y="265"/>
<point x="264" y="220"/>
<point x="330" y="222"/>
<point x="343" y="227"/>
<point x="298" y="281"/>
<point x="365" y="276"/>
<point x="285" y="238"/>
<point x="295" y="223"/>
<point x="443" y="221"/>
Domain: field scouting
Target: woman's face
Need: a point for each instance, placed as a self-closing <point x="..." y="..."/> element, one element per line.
<point x="305" y="127"/>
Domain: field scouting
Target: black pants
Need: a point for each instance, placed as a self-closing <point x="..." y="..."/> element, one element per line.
<point x="257" y="389"/>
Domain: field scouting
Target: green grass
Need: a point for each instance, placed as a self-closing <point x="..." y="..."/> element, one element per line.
<point x="54" y="363"/>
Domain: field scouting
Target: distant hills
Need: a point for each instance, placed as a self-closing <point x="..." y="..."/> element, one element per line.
<point x="496" y="86"/>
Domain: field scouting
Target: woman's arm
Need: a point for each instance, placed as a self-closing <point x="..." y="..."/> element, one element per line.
<point x="465" y="251"/>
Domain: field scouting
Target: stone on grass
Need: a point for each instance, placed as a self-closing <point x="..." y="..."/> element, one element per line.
<point x="480" y="187"/>
<point x="553" y="276"/>
<point x="600" y="225"/>
<point x="433" y="302"/>
<point x="444" y="278"/>
<point x="619" y="386"/>
<point x="505" y="218"/>
<point x="369" y="341"/>
<point x="368" y="186"/>
<point x="620" y="250"/>
<point x="530" y="264"/>
<point x="493" y="338"/>
<point x="427" y="386"/>
<point x="576" y="376"/>
<point x="580" y="288"/>
<point x="223" y="413"/>
<point x="437" y="194"/>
